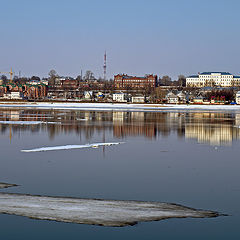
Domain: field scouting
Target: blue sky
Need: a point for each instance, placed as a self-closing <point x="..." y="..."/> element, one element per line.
<point x="165" y="37"/>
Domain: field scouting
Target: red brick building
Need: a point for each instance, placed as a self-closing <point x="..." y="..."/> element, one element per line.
<point x="37" y="91"/>
<point x="122" y="81"/>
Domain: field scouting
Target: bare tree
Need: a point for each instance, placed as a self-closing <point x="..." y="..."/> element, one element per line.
<point x="165" y="81"/>
<point x="181" y="81"/>
<point x="52" y="74"/>
<point x="89" y="75"/>
<point x="4" y="79"/>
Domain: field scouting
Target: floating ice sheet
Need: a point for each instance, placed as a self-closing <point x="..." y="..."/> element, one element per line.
<point x="93" y="211"/>
<point x="67" y="147"/>
<point x="6" y="185"/>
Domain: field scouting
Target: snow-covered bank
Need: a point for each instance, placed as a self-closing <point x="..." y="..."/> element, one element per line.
<point x="93" y="211"/>
<point x="6" y="185"/>
<point x="120" y="107"/>
<point x="21" y="122"/>
<point x="67" y="147"/>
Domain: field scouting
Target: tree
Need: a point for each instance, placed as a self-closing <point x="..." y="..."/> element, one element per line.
<point x="79" y="78"/>
<point x="52" y="74"/>
<point x="35" y="78"/>
<point x="89" y="75"/>
<point x="158" y="95"/>
<point x="165" y="81"/>
<point x="15" y="79"/>
<point x="4" y="79"/>
<point x="182" y="81"/>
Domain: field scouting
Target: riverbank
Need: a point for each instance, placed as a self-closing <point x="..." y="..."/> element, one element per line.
<point x="118" y="106"/>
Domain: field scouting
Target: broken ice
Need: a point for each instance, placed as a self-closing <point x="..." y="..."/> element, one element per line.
<point x="66" y="147"/>
<point x="93" y="211"/>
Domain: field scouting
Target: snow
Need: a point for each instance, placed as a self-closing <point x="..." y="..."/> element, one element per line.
<point x="94" y="211"/>
<point x="21" y="122"/>
<point x="27" y="122"/>
<point x="120" y="106"/>
<point x="67" y="147"/>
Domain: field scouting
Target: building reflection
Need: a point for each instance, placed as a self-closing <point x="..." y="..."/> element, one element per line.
<point x="204" y="127"/>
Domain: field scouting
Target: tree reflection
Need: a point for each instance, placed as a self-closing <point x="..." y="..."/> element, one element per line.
<point x="205" y="127"/>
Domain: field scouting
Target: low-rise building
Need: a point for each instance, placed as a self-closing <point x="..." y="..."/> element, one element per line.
<point x="16" y="95"/>
<point x="88" y="94"/>
<point x="181" y="97"/>
<point x="238" y="97"/>
<point x="138" y="99"/>
<point x="172" y="98"/>
<point x="120" y="97"/>
<point x="198" y="100"/>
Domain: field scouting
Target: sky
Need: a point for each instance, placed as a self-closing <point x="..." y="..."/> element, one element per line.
<point x="163" y="37"/>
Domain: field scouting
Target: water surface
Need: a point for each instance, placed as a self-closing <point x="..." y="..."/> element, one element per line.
<point x="189" y="158"/>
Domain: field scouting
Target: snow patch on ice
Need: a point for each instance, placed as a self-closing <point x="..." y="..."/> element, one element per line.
<point x="21" y="122"/>
<point x="67" y="147"/>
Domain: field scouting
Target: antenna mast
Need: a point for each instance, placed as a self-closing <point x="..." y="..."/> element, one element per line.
<point x="105" y="66"/>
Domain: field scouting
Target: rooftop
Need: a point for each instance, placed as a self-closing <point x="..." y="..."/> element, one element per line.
<point x="209" y="73"/>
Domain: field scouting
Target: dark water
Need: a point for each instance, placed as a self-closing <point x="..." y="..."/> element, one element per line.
<point x="189" y="158"/>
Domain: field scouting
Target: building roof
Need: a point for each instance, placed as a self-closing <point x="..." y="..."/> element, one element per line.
<point x="193" y="76"/>
<point x="125" y="76"/>
<point x="181" y="94"/>
<point x="209" y="73"/>
<point x="171" y="95"/>
<point x="119" y="93"/>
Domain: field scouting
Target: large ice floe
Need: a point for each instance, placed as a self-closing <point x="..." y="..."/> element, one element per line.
<point x="94" y="211"/>
<point x="67" y="147"/>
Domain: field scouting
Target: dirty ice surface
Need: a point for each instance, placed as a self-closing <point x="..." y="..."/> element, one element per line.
<point x="94" y="211"/>
<point x="6" y="185"/>
<point x="66" y="147"/>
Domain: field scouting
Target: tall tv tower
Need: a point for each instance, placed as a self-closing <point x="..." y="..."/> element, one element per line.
<point x="105" y="66"/>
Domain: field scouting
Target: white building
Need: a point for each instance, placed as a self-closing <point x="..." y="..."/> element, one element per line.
<point x="88" y="94"/>
<point x="120" y="97"/>
<point x="172" y="98"/>
<point x="238" y="97"/>
<point x="181" y="97"/>
<point x="13" y="95"/>
<point x="138" y="99"/>
<point x="223" y="79"/>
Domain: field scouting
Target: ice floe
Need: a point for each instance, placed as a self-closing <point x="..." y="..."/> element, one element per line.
<point x="6" y="185"/>
<point x="67" y="147"/>
<point x="94" y="211"/>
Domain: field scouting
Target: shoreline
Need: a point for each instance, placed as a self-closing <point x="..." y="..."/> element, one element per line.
<point x="117" y="106"/>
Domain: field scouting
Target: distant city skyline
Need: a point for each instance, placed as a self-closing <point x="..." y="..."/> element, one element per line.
<point x="140" y="37"/>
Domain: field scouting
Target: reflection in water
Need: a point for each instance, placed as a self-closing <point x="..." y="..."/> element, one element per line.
<point x="206" y="127"/>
